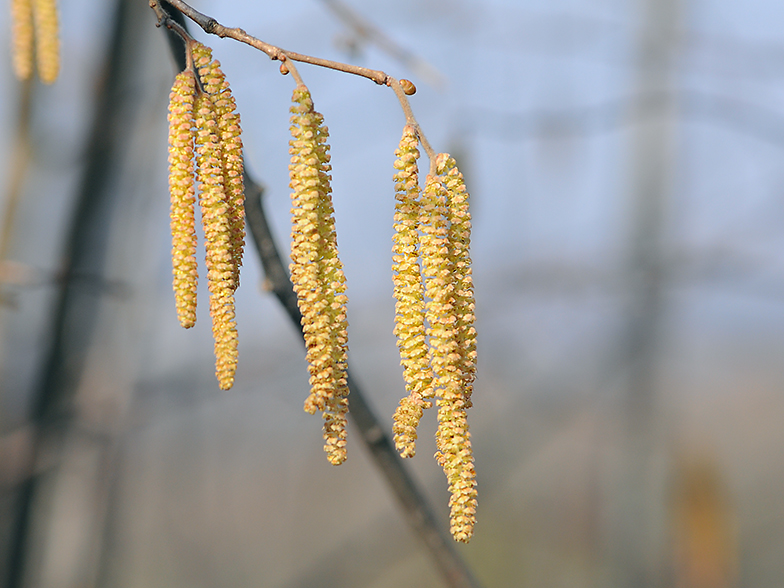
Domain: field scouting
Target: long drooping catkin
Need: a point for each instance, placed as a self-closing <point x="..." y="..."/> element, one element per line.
<point x="434" y="324"/>
<point x="317" y="273"/>
<point x="409" y="296"/>
<point x="182" y="134"/>
<point x="217" y="236"/>
<point x="443" y="311"/>
<point x="459" y="237"/>
<point x="202" y="114"/>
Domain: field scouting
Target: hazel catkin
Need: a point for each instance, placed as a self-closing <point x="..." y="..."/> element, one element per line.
<point x="317" y="273"/>
<point x="183" y="196"/>
<point x="434" y="321"/>
<point x="217" y="236"/>
<point x="409" y="296"/>
<point x="203" y="124"/>
<point x="229" y="131"/>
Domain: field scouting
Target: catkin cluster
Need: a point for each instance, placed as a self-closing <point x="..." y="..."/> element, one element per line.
<point x="204" y="127"/>
<point x="35" y="37"/>
<point x="434" y="318"/>
<point x="317" y="274"/>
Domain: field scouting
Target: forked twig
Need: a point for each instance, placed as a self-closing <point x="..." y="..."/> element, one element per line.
<point x="213" y="27"/>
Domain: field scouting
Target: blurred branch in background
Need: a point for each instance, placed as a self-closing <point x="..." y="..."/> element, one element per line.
<point x="636" y="541"/>
<point x="67" y="432"/>
<point x="364" y="32"/>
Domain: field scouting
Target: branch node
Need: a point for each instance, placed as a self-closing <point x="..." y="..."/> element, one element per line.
<point x="210" y="25"/>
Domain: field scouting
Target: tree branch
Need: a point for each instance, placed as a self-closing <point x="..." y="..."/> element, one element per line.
<point x="415" y="507"/>
<point x="213" y="27"/>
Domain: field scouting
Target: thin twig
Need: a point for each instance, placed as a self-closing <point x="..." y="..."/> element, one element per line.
<point x="213" y="27"/>
<point x="411" y="120"/>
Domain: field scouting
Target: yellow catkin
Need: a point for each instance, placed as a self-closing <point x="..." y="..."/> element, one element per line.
<point x="183" y="196"/>
<point x="47" y="49"/>
<point x="217" y="235"/>
<point x="408" y="291"/>
<point x="444" y="290"/>
<point x="22" y="33"/>
<point x="460" y="258"/>
<point x="228" y="121"/>
<point x="317" y="274"/>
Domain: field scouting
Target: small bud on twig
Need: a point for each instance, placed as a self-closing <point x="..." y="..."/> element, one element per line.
<point x="408" y="87"/>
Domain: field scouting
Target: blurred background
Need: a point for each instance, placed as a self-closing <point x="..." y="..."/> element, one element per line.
<point x="625" y="166"/>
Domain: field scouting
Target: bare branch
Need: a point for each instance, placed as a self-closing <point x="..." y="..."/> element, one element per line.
<point x="213" y="27"/>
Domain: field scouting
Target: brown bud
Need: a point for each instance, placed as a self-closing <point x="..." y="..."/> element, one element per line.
<point x="409" y="89"/>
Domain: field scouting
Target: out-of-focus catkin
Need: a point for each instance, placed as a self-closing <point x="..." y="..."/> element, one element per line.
<point x="183" y="196"/>
<point x="408" y="291"/>
<point x="22" y="34"/>
<point x="317" y="274"/>
<point x="47" y="40"/>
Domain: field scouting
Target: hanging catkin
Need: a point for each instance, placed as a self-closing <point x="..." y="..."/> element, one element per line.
<point x="203" y="115"/>
<point x="434" y="319"/>
<point x="229" y="132"/>
<point x="47" y="40"/>
<point x="183" y="196"/>
<point x="317" y="274"/>
<point x="409" y="296"/>
<point x="217" y="236"/>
